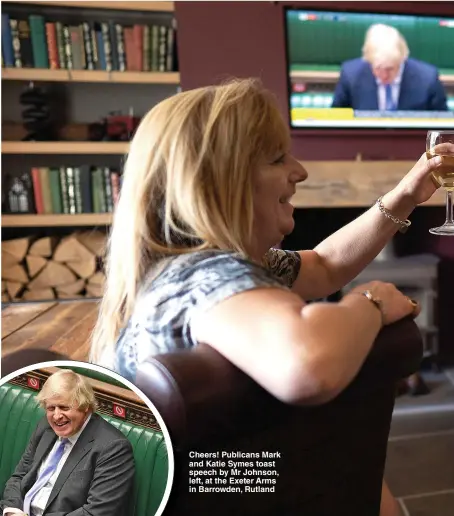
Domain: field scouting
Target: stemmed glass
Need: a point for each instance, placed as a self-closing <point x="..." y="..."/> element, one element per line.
<point x="441" y="143"/>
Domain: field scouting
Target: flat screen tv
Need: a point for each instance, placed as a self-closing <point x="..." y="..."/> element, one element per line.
<point x="319" y="41"/>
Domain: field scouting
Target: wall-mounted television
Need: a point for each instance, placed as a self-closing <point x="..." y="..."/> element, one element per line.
<point x="323" y="48"/>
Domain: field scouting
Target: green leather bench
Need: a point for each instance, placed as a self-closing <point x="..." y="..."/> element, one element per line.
<point x="96" y="375"/>
<point x="19" y="414"/>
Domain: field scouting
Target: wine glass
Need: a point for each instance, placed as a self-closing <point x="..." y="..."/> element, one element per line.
<point x="441" y="143"/>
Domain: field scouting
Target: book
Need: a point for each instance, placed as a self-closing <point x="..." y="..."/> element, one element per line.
<point x="60" y="44"/>
<point x="45" y="189"/>
<point x="52" y="47"/>
<point x="37" y="192"/>
<point x="25" y="39"/>
<point x="16" y="42"/>
<point x="39" y="41"/>
<point x="7" y="41"/>
<point x="55" y="190"/>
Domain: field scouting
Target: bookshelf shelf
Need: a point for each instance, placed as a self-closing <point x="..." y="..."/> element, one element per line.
<point x="81" y="219"/>
<point x="65" y="148"/>
<point x="123" y="6"/>
<point x="43" y="74"/>
<point x="330" y="77"/>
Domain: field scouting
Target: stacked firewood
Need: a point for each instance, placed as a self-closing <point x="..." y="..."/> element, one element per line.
<point x="51" y="268"/>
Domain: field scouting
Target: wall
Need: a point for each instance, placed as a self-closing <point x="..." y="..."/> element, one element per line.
<point x="243" y="39"/>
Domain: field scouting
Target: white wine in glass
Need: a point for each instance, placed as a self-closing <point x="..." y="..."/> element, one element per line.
<point x="441" y="143"/>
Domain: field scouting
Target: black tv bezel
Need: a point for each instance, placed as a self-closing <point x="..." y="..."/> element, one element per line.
<point x="354" y="131"/>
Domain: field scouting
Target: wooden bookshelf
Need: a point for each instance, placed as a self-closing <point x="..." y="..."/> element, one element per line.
<point x="65" y="148"/>
<point x="18" y="154"/>
<point x="330" y="77"/>
<point x="167" y="7"/>
<point x="44" y="74"/>
<point x="54" y="220"/>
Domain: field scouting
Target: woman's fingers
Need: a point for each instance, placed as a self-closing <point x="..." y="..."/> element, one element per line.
<point x="415" y="307"/>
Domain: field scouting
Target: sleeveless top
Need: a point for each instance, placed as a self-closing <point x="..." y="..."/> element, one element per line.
<point x="187" y="285"/>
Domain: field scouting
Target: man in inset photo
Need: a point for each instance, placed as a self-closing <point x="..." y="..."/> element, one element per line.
<point x="76" y="463"/>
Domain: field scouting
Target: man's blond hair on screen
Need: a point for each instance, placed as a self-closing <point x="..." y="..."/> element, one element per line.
<point x="71" y="386"/>
<point x="384" y="44"/>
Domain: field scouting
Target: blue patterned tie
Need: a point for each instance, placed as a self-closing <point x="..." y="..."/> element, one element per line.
<point x="45" y="475"/>
<point x="390" y="106"/>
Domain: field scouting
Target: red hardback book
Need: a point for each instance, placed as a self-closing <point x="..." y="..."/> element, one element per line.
<point x="51" y="36"/>
<point x="138" y="44"/>
<point x="37" y="192"/>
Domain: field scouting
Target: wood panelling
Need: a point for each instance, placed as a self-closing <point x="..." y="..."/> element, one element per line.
<point x="352" y="183"/>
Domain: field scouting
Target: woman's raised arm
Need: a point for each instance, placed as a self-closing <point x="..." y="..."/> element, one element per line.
<point x="344" y="254"/>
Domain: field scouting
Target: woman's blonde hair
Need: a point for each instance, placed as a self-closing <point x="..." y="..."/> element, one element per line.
<point x="187" y="186"/>
<point x="384" y="43"/>
<point x="72" y="387"/>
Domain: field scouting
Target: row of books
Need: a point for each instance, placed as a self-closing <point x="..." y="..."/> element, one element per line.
<point x="39" y="43"/>
<point x="71" y="190"/>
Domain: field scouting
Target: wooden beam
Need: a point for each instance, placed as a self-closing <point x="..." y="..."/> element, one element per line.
<point x="352" y="183"/>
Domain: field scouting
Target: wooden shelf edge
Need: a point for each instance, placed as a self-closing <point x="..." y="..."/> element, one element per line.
<point x="114" y="77"/>
<point x="112" y="6"/>
<point x="65" y="147"/>
<point x="54" y="220"/>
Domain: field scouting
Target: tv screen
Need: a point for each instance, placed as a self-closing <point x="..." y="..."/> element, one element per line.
<point x="332" y="85"/>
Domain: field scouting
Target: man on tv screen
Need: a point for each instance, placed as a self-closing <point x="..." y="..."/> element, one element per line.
<point x="76" y="463"/>
<point x="386" y="79"/>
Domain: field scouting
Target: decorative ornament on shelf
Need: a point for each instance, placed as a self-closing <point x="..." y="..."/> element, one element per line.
<point x="37" y="115"/>
<point x="17" y="194"/>
<point x="116" y="127"/>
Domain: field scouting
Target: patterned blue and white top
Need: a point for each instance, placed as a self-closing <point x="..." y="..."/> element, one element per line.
<point x="188" y="285"/>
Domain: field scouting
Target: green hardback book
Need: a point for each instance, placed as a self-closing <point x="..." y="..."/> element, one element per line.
<point x="55" y="190"/>
<point x="39" y="41"/>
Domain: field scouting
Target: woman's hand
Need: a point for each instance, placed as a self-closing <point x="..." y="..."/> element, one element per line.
<point x="395" y="305"/>
<point x="418" y="184"/>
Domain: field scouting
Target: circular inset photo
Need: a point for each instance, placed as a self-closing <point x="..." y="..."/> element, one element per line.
<point x="76" y="438"/>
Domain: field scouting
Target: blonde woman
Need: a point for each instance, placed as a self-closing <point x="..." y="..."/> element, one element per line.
<point x="206" y="195"/>
<point x="387" y="79"/>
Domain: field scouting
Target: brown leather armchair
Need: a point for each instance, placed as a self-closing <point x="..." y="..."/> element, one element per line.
<point x="332" y="456"/>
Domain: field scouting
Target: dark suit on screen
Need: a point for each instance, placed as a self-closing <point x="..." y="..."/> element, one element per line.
<point x="420" y="87"/>
<point x="95" y="480"/>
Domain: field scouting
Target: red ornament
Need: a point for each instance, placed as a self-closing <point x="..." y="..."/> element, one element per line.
<point x="119" y="411"/>
<point x="33" y="383"/>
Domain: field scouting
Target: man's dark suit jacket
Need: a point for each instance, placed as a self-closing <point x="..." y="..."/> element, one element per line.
<point x="420" y="87"/>
<point x="95" y="479"/>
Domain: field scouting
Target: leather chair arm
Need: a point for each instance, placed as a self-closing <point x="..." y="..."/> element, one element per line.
<point x="200" y="394"/>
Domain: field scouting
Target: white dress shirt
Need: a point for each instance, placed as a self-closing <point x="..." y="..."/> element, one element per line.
<point x="395" y="90"/>
<point x="40" y="501"/>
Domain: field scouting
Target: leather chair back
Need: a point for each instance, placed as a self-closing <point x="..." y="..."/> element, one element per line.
<point x="332" y="455"/>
